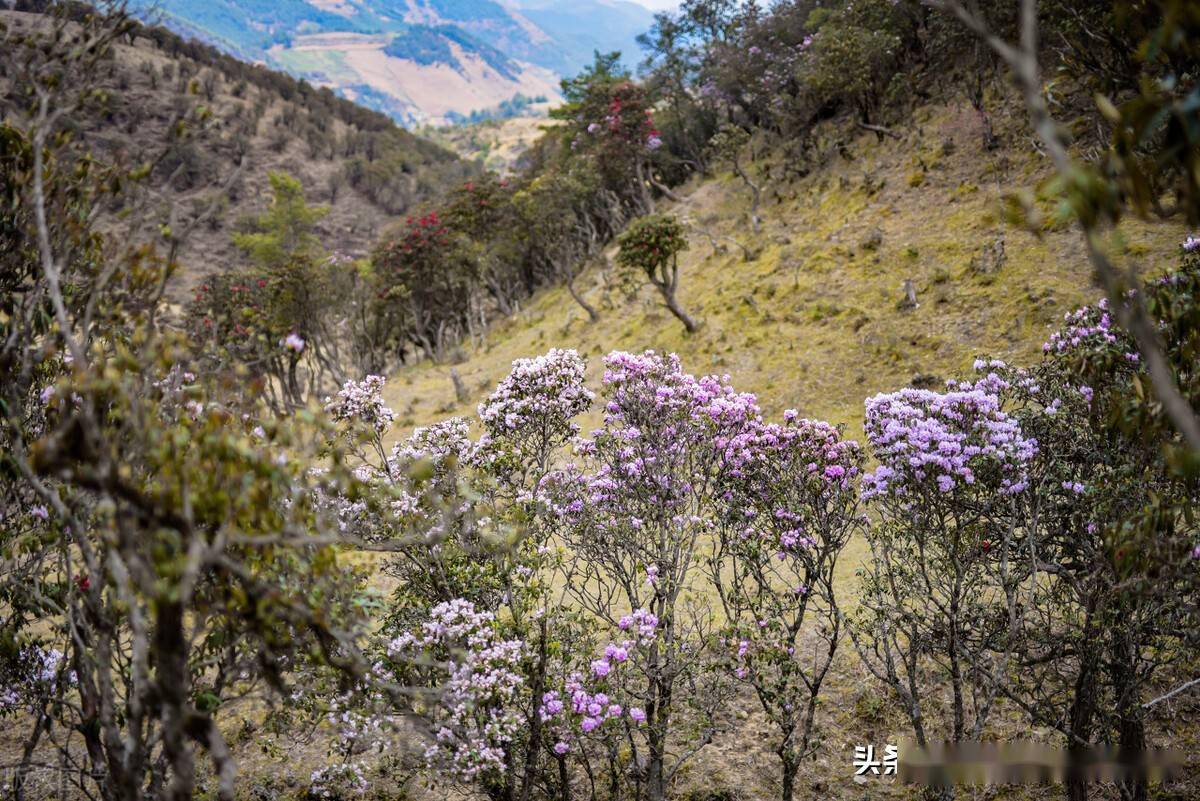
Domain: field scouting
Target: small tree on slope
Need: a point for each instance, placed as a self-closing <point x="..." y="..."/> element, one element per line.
<point x="651" y="246"/>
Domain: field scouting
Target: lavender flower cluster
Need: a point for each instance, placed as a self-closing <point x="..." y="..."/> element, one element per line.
<point x="654" y="454"/>
<point x="779" y="475"/>
<point x="594" y="700"/>
<point x="648" y="389"/>
<point x="1092" y="328"/>
<point x="947" y="441"/>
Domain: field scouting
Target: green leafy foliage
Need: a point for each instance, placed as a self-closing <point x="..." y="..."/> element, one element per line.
<point x="649" y="244"/>
<point x="431" y="44"/>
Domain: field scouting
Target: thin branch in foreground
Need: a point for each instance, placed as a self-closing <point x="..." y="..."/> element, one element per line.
<point x="1023" y="61"/>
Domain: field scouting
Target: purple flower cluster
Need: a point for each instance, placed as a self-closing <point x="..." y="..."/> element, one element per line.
<point x="1089" y="327"/>
<point x="946" y="441"/>
<point x="477" y="714"/>
<point x="642" y="623"/>
<point x="653" y="460"/>
<point x="362" y="401"/>
<point x="781" y="478"/>
<point x="588" y="702"/>
<point x="648" y="384"/>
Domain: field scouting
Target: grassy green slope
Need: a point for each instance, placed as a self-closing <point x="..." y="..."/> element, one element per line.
<point x="813" y="322"/>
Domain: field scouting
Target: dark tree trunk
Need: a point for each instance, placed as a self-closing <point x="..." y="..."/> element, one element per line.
<point x="587" y="307"/>
<point x="1131" y="728"/>
<point x="564" y="781"/>
<point x="678" y="311"/>
<point x="171" y="685"/>
<point x="1083" y="706"/>
<point x="534" y="746"/>
<point x="791" y="765"/>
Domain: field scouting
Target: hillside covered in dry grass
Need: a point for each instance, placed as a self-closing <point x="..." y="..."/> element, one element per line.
<point x="815" y="319"/>
<point x="640" y="453"/>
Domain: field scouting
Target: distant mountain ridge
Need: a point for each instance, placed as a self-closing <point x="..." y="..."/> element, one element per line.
<point x="420" y="61"/>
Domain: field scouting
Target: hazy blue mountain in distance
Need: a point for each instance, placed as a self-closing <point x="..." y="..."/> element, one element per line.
<point x="582" y="27"/>
<point x="418" y="60"/>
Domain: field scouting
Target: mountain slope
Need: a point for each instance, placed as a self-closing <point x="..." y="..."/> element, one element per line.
<point x="815" y="321"/>
<point x="420" y="61"/>
<point x="227" y="124"/>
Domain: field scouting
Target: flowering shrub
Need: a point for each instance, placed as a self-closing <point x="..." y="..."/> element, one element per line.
<point x="232" y="314"/>
<point x="424" y="292"/>
<point x="1092" y="329"/>
<point x="1099" y="491"/>
<point x="615" y="123"/>
<point x="949" y="488"/>
<point x="530" y="413"/>
<point x="287" y="315"/>
<point x="361" y="402"/>
<point x="592" y="704"/>
<point x="476" y="679"/>
<point x="790" y="506"/>
<point x="649" y="250"/>
<point x="789" y="480"/>
<point x="650" y="243"/>
<point x="442" y="444"/>
<point x="945" y="441"/>
<point x="633" y="514"/>
<point x="34" y="678"/>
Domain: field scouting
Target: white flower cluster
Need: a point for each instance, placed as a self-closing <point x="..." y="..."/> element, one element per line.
<point x="362" y="401"/>
<point x="337" y="782"/>
<point x="37" y="673"/>
<point x="477" y="714"/>
<point x="439" y="443"/>
<point x="540" y="393"/>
